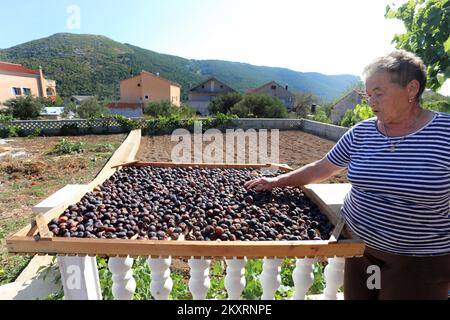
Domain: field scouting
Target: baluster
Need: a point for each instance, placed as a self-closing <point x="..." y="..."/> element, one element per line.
<point x="199" y="281"/>
<point x="303" y="277"/>
<point x="334" y="277"/>
<point x="270" y="278"/>
<point x="235" y="278"/>
<point x="162" y="283"/>
<point x="124" y="284"/>
<point x="79" y="277"/>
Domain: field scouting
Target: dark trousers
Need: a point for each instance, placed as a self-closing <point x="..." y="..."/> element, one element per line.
<point x="402" y="277"/>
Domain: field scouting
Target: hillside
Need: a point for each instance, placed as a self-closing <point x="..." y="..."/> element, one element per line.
<point x="93" y="65"/>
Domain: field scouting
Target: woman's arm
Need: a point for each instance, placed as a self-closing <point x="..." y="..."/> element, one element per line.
<point x="313" y="172"/>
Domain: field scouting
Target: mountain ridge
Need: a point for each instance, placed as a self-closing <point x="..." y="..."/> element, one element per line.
<point x="85" y="64"/>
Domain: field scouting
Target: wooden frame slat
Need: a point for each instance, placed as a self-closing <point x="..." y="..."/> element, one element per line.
<point x="114" y="247"/>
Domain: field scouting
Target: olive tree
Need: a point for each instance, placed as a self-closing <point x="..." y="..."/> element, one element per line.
<point x="259" y="106"/>
<point x="91" y="108"/>
<point x="224" y="103"/>
<point x="24" y="108"/>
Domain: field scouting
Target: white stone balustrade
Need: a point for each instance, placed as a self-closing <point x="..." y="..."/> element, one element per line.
<point x="124" y="284"/>
<point x="334" y="277"/>
<point x="161" y="282"/>
<point x="199" y="282"/>
<point x="303" y="277"/>
<point x="235" y="278"/>
<point x="80" y="277"/>
<point x="270" y="278"/>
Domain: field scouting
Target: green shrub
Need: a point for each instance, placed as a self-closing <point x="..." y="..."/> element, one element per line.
<point x="36" y="133"/>
<point x="66" y="147"/>
<point x="71" y="107"/>
<point x="260" y="106"/>
<point x="160" y="109"/>
<point x="128" y="123"/>
<point x="321" y="116"/>
<point x="91" y="108"/>
<point x="360" y="113"/>
<point x="438" y="105"/>
<point x="13" y="131"/>
<point x="224" y="103"/>
<point x="104" y="147"/>
<point x="24" y="108"/>
<point x="6" y="118"/>
<point x="164" y="108"/>
<point x="186" y="112"/>
<point x="223" y="119"/>
<point x="240" y="110"/>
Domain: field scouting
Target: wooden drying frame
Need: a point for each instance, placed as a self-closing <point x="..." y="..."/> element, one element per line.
<point x="37" y="239"/>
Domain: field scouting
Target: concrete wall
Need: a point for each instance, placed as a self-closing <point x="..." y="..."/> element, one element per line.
<point x="323" y="130"/>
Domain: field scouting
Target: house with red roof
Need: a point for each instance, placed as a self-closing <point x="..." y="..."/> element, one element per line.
<point x="17" y="81"/>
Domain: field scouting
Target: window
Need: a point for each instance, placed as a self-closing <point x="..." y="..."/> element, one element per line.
<point x="139" y="84"/>
<point x="27" y="91"/>
<point x="273" y="87"/>
<point x="16" y="91"/>
<point x="146" y="97"/>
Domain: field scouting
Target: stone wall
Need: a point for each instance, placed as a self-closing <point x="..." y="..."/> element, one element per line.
<point x="323" y="130"/>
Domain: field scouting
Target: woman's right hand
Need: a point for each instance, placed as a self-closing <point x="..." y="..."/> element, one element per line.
<point x="262" y="184"/>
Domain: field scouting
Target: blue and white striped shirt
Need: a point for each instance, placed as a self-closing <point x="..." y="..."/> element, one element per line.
<point x="399" y="201"/>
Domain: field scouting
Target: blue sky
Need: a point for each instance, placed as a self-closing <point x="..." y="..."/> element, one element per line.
<point x="326" y="36"/>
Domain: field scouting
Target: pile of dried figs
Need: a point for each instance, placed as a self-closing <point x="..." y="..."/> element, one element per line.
<point x="152" y="203"/>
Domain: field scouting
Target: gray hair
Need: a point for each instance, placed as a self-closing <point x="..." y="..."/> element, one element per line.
<point x="402" y="67"/>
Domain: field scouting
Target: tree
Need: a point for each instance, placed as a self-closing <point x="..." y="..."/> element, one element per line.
<point x="70" y="108"/>
<point x="241" y="110"/>
<point x="224" y="103"/>
<point x="160" y="108"/>
<point x="303" y="103"/>
<point x="353" y="116"/>
<point x="24" y="108"/>
<point x="90" y="108"/>
<point x="321" y="116"/>
<point x="260" y="106"/>
<point x="427" y="34"/>
<point x="436" y="102"/>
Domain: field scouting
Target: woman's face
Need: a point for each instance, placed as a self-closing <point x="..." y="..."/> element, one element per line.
<point x="389" y="101"/>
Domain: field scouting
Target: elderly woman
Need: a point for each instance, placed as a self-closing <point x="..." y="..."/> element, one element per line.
<point x="399" y="167"/>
